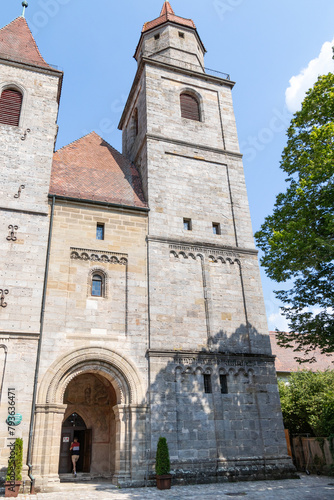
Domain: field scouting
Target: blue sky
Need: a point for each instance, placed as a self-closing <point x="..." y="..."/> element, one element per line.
<point x="262" y="44"/>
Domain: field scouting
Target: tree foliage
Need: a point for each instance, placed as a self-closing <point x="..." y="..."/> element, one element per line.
<point x="307" y="402"/>
<point x="298" y="238"/>
<point x="162" y="462"/>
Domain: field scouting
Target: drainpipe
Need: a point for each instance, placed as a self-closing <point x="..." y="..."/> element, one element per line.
<point x="34" y="397"/>
<point x="148" y="440"/>
<point x="4" y="347"/>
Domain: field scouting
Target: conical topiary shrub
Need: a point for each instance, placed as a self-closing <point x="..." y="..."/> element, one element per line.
<point x="14" y="472"/>
<point x="162" y="465"/>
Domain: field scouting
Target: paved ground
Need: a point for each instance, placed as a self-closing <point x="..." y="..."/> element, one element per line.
<point x="307" y="488"/>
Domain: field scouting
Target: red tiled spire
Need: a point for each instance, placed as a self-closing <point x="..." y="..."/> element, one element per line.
<point x="167" y="9"/>
<point x="18" y="44"/>
<point x="168" y="14"/>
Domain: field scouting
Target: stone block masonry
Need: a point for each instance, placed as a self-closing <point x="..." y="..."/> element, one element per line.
<point x="26" y="155"/>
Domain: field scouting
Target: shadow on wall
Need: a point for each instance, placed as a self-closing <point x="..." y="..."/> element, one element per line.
<point x="220" y="412"/>
<point x="245" y="340"/>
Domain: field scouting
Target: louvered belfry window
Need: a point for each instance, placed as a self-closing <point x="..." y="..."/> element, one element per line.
<point x="10" y="107"/>
<point x="190" y="107"/>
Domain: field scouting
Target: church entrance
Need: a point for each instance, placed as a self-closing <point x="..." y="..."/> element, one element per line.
<point x="75" y="427"/>
<point x="89" y="416"/>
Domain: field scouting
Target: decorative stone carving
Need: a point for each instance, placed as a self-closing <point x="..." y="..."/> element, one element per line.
<point x="12" y="230"/>
<point x="98" y="256"/>
<point x="203" y="253"/>
<point x="18" y="194"/>
<point x="2" y="297"/>
<point x="24" y="136"/>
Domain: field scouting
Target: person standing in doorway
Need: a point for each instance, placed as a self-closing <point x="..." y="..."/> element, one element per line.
<point x="75" y="451"/>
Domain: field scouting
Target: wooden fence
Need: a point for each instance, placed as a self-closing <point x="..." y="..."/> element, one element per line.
<point x="312" y="454"/>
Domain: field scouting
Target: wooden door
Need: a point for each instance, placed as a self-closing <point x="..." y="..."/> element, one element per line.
<point x="65" y="464"/>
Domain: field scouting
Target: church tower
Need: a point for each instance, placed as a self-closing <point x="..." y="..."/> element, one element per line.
<point x="213" y="390"/>
<point x="29" y="98"/>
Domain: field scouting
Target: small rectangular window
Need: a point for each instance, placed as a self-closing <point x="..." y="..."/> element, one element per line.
<point x="156" y="37"/>
<point x="216" y="228"/>
<point x="100" y="231"/>
<point x="223" y="384"/>
<point x="181" y="35"/>
<point x="207" y="384"/>
<point x="187" y="226"/>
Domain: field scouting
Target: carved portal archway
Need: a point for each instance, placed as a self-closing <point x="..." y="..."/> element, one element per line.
<point x="110" y="368"/>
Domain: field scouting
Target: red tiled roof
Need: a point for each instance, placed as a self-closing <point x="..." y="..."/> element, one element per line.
<point x="167" y="9"/>
<point x="167" y="14"/>
<point x="285" y="359"/>
<point x="18" y="44"/>
<point x="91" y="169"/>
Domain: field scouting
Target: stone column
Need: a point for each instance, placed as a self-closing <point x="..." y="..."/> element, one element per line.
<point x="130" y="444"/>
<point x="138" y="444"/>
<point x="123" y="444"/>
<point x="46" y="446"/>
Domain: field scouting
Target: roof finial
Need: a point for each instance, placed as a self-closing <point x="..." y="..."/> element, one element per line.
<point x="24" y="5"/>
<point x="166" y="9"/>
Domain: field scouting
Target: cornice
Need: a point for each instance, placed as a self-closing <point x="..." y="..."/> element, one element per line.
<point x="192" y="145"/>
<point x="199" y="245"/>
<point x="159" y="353"/>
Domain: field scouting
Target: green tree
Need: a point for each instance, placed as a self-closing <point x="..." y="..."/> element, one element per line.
<point x="297" y="239"/>
<point x="307" y="402"/>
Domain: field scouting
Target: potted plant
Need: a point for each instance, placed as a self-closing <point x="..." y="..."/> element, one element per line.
<point x="162" y="465"/>
<point x="14" y="471"/>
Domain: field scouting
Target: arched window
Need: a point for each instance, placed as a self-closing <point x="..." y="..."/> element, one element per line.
<point x="97" y="285"/>
<point x="190" y="107"/>
<point x="10" y="107"/>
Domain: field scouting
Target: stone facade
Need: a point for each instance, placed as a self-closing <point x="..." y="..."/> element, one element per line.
<point x="177" y="343"/>
<point x="25" y="166"/>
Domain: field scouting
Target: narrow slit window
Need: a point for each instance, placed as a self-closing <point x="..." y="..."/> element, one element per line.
<point x="157" y="36"/>
<point x="190" y="107"/>
<point x="207" y="384"/>
<point x="223" y="384"/>
<point x="135" y="121"/>
<point x="10" y="107"/>
<point x="187" y="225"/>
<point x="97" y="285"/>
<point x="100" y="231"/>
<point x="216" y="228"/>
<point x="181" y="35"/>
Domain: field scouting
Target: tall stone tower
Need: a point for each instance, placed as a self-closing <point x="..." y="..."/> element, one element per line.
<point x="29" y="97"/>
<point x="212" y="389"/>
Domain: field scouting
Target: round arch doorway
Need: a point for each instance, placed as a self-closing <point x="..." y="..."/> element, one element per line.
<point x="89" y="416"/>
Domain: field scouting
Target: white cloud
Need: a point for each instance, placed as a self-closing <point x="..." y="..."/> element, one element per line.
<point x="277" y="320"/>
<point x="301" y="83"/>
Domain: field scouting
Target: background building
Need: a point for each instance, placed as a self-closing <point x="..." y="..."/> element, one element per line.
<point x="131" y="280"/>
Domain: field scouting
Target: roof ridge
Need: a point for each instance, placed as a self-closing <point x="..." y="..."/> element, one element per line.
<point x="97" y="135"/>
<point x="13" y="21"/>
<point x="33" y="39"/>
<point x="77" y="140"/>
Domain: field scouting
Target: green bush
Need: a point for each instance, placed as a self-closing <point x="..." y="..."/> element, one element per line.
<point x="307" y="402"/>
<point x="15" y="462"/>
<point x="162" y="462"/>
